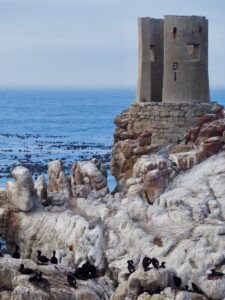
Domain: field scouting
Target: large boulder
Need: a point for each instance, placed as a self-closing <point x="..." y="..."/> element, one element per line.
<point x="20" y="193"/>
<point x="40" y="186"/>
<point x="88" y="176"/>
<point x="58" y="181"/>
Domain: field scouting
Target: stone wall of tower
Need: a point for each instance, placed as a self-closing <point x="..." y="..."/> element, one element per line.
<point x="150" y="60"/>
<point x="185" y="59"/>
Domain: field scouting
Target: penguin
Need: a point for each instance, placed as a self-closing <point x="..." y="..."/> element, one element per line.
<point x="155" y="262"/>
<point x="130" y="266"/>
<point x="54" y="260"/>
<point x="162" y="265"/>
<point x="26" y="271"/>
<point x="177" y="281"/>
<point x="146" y="261"/>
<point x="41" y="258"/>
<point x="71" y="280"/>
<point x="16" y="254"/>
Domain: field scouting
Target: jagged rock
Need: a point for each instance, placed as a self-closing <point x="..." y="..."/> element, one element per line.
<point x="57" y="180"/>
<point x="40" y="187"/>
<point x="20" y="193"/>
<point x="88" y="176"/>
<point x="149" y="178"/>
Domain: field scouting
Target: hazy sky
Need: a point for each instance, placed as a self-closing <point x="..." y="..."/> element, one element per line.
<point x="87" y="43"/>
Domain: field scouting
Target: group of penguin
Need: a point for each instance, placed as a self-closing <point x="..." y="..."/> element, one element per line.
<point x="147" y="261"/>
<point x="86" y="271"/>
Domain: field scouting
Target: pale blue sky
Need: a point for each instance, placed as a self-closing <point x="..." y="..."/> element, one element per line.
<point x="88" y="43"/>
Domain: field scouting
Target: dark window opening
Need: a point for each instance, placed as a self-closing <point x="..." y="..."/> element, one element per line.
<point x="193" y="51"/>
<point x="200" y="29"/>
<point x="152" y="53"/>
<point x="174" y="33"/>
<point x="175" y="76"/>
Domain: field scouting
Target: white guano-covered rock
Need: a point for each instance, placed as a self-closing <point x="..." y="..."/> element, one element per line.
<point x="20" y="193"/>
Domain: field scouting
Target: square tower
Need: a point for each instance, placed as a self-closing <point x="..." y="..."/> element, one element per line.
<point x="150" y="60"/>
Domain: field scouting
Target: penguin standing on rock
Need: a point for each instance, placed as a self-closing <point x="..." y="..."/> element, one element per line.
<point x="146" y="261"/>
<point x="71" y="280"/>
<point x="130" y="266"/>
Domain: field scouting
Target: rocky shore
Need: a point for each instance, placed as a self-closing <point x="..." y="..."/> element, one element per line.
<point x="169" y="204"/>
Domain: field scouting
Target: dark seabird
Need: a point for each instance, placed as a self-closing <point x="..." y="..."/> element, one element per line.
<point x="92" y="271"/>
<point x="16" y="253"/>
<point x="26" y="271"/>
<point x="54" y="260"/>
<point x="215" y="275"/>
<point x="162" y="265"/>
<point x="196" y="289"/>
<point x="34" y="277"/>
<point x="71" y="280"/>
<point x="43" y="259"/>
<point x="146" y="261"/>
<point x="80" y="273"/>
<point x="177" y="281"/>
<point x="155" y="262"/>
<point x="130" y="266"/>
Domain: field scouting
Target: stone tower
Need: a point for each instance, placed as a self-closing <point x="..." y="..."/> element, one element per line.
<point x="185" y="59"/>
<point x="173" y="59"/>
<point x="150" y="56"/>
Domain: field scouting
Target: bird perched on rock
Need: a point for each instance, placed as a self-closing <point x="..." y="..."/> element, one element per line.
<point x="155" y="262"/>
<point x="215" y="275"/>
<point x="71" y="280"/>
<point x="25" y="271"/>
<point x="130" y="266"/>
<point x="54" y="260"/>
<point x="162" y="265"/>
<point x="177" y="281"/>
<point x="87" y="271"/>
<point x="41" y="258"/>
<point x="146" y="261"/>
<point x="16" y="253"/>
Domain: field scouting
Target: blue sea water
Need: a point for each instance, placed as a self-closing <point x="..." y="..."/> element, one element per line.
<point x="39" y="125"/>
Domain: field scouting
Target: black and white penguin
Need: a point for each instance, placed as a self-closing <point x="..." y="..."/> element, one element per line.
<point x="130" y="266"/>
<point x="146" y="261"/>
<point x="54" y="260"/>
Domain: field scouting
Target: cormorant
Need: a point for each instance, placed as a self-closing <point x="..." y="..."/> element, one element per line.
<point x="43" y="259"/>
<point x="71" y="280"/>
<point x="54" y="260"/>
<point x="177" y="281"/>
<point x="26" y="271"/>
<point x="215" y="275"/>
<point x="16" y="254"/>
<point x="146" y="261"/>
<point x="130" y="266"/>
<point x="162" y="265"/>
<point x="155" y="262"/>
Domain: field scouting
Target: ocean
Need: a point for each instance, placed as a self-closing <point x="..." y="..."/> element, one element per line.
<point x="40" y="125"/>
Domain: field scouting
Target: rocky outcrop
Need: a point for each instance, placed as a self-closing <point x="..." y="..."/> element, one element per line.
<point x="53" y="286"/>
<point x="20" y="194"/>
<point x="40" y="186"/>
<point x="88" y="176"/>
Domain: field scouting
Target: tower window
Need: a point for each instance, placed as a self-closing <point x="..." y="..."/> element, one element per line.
<point x="193" y="51"/>
<point x="152" y="53"/>
<point x="174" y="33"/>
<point x="200" y="29"/>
